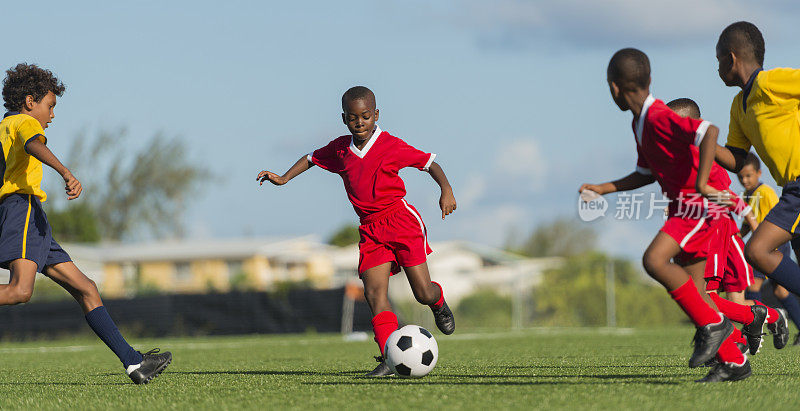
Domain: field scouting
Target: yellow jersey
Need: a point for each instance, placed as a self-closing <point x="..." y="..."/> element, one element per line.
<point x="766" y="116"/>
<point x="22" y="172"/>
<point x="761" y="201"/>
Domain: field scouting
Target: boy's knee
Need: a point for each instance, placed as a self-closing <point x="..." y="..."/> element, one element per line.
<point x="651" y="262"/>
<point x="753" y="254"/>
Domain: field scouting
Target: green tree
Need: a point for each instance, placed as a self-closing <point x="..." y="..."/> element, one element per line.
<point x="132" y="191"/>
<point x="76" y="223"/>
<point x="344" y="236"/>
<point x="575" y="295"/>
<point x="562" y="237"/>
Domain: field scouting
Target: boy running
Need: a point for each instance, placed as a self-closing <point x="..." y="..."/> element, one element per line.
<point x="762" y="199"/>
<point x="26" y="241"/>
<point x="392" y="232"/>
<point x="765" y="115"/>
<point x="726" y="268"/>
<point x="667" y="152"/>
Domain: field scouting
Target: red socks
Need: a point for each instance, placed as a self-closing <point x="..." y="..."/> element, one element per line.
<point x="772" y="314"/>
<point x="689" y="299"/>
<point x="738" y="337"/>
<point x="729" y="352"/>
<point x="383" y="325"/>
<point x="736" y="312"/>
<point x="438" y="304"/>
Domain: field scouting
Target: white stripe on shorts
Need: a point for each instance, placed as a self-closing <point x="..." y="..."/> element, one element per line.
<point x="421" y="226"/>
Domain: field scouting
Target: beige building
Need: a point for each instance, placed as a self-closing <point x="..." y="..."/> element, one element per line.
<point x="198" y="266"/>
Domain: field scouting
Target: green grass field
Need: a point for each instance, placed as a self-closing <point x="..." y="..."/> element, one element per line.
<point x="541" y="368"/>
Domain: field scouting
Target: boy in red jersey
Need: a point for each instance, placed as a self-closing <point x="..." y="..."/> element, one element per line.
<point x="726" y="268"/>
<point x="392" y="232"/>
<point x="667" y="152"/>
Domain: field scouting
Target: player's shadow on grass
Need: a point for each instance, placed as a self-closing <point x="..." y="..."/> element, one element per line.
<point x="272" y="372"/>
<point x="67" y="383"/>
<point x="583" y="367"/>
<point x="427" y="382"/>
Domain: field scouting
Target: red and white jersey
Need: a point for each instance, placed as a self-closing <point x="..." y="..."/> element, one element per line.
<point x="370" y="175"/>
<point x="667" y="145"/>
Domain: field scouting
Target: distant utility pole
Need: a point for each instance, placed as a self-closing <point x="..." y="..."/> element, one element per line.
<point x="611" y="310"/>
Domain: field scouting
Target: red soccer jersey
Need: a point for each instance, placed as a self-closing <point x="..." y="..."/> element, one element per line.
<point x="667" y="145"/>
<point x="370" y="175"/>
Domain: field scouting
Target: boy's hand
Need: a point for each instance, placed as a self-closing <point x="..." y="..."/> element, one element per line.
<point x="447" y="202"/>
<point x="271" y="177"/>
<point x="722" y="198"/>
<point x="591" y="187"/>
<point x="72" y="186"/>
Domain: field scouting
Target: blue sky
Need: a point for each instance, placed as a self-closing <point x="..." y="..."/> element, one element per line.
<point x="510" y="94"/>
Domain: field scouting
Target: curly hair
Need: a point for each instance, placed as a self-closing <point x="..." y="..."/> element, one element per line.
<point x="28" y="80"/>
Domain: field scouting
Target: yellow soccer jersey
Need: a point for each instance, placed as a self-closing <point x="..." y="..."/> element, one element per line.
<point x="762" y="200"/>
<point x="22" y="173"/>
<point x="770" y="122"/>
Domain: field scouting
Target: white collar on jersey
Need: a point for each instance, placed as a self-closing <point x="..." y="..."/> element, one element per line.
<point x="640" y="122"/>
<point x="362" y="153"/>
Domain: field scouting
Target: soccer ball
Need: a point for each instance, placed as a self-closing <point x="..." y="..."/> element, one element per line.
<point x="411" y="352"/>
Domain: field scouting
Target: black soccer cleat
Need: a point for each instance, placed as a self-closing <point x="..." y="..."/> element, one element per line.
<point x="755" y="330"/>
<point x="382" y="370"/>
<point x="779" y="330"/>
<point x="796" y="339"/>
<point x="151" y="366"/>
<point x="707" y="340"/>
<point x="444" y="319"/>
<point x="728" y="372"/>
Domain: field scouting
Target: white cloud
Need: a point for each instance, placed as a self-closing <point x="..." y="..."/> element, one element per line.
<point x="522" y="161"/>
<point x="517" y="23"/>
<point x="474" y="189"/>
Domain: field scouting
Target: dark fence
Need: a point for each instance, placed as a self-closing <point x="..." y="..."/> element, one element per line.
<point x="193" y="314"/>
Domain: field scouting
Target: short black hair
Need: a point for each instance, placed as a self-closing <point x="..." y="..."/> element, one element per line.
<point x="685" y="104"/>
<point x="25" y="80"/>
<point x="630" y="69"/>
<point x="357" y="93"/>
<point x="743" y="39"/>
<point x="752" y="160"/>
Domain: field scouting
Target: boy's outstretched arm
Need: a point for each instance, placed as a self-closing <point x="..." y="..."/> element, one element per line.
<point x="731" y="159"/>
<point x="447" y="202"/>
<point x="300" y="166"/>
<point x="630" y="182"/>
<point x="37" y="149"/>
<point x="708" y="150"/>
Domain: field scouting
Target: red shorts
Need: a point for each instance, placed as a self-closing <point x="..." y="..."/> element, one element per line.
<point x="716" y="241"/>
<point x="395" y="234"/>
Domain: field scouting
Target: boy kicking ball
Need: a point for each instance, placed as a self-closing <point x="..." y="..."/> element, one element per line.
<point x="392" y="232"/>
<point x="27" y="245"/>
<point x="667" y="150"/>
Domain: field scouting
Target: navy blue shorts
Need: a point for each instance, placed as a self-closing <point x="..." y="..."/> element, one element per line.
<point x="25" y="233"/>
<point x="786" y="214"/>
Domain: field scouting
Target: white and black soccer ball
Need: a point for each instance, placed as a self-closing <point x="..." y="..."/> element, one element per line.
<point x="411" y="352"/>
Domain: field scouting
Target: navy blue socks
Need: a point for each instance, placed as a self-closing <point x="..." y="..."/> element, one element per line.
<point x="792" y="306"/>
<point x="787" y="274"/>
<point x="752" y="295"/>
<point x="104" y="327"/>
